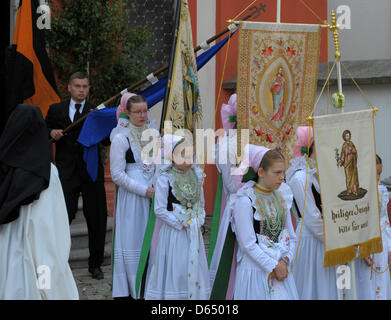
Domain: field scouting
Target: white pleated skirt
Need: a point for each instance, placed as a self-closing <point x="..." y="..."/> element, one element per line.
<point x="313" y="280"/>
<point x="251" y="283"/>
<point x="131" y="218"/>
<point x="168" y="276"/>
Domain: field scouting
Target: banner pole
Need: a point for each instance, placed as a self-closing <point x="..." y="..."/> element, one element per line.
<point x="278" y="11"/>
<point x="174" y="48"/>
<point x="335" y="28"/>
<point x="339" y="76"/>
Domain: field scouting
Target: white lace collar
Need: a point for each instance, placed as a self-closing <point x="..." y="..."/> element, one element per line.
<point x="170" y="177"/>
<point x="136" y="133"/>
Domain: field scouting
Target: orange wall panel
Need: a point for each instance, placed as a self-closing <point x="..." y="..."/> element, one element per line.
<point x="193" y="17"/>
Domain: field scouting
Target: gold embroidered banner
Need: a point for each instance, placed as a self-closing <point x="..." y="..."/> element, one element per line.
<point x="346" y="158"/>
<point x="184" y="104"/>
<point x="277" y="81"/>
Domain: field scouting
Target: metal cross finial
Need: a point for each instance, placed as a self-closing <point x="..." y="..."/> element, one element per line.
<point x="334" y="28"/>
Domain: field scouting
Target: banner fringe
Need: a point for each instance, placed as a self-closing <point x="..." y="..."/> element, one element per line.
<point x="344" y="255"/>
<point x="339" y="256"/>
<point x="371" y="246"/>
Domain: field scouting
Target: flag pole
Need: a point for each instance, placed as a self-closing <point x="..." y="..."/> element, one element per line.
<point x="142" y="81"/>
<point x="334" y="28"/>
<point x="351" y="293"/>
<point x="172" y="61"/>
<point x="164" y="68"/>
<point x="278" y="11"/>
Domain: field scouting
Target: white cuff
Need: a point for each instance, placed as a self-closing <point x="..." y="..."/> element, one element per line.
<point x="205" y="46"/>
<point x="152" y="79"/>
<point x="233" y="27"/>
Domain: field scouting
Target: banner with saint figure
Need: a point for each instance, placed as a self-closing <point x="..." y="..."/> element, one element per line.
<point x="346" y="159"/>
<point x="277" y="81"/>
<point x="184" y="102"/>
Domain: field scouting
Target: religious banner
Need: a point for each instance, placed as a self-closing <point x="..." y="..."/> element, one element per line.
<point x="277" y="81"/>
<point x="346" y="159"/>
<point x="184" y="102"/>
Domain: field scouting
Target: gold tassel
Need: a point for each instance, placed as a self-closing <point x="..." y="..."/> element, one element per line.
<point x="344" y="255"/>
<point x="339" y="256"/>
<point x="370" y="247"/>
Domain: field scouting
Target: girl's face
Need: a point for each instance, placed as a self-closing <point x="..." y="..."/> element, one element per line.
<point x="273" y="176"/>
<point x="183" y="162"/>
<point x="138" y="114"/>
<point x="379" y="170"/>
<point x="347" y="136"/>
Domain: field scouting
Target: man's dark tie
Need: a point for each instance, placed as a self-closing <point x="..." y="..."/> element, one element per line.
<point x="77" y="115"/>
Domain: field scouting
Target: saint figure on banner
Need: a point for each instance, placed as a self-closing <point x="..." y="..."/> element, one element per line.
<point x="190" y="92"/>
<point x="277" y="88"/>
<point x="348" y="160"/>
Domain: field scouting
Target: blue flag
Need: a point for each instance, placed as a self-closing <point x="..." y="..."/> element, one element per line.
<point x="99" y="123"/>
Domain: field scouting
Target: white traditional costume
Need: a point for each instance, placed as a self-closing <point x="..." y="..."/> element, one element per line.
<point x="133" y="176"/>
<point x="225" y="161"/>
<point x="313" y="280"/>
<point x="179" y="269"/>
<point x="373" y="282"/>
<point x="263" y="226"/>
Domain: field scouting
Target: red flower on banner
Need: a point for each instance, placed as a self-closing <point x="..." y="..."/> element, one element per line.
<point x="267" y="52"/>
<point x="254" y="109"/>
<point x="290" y="52"/>
<point x="283" y="137"/>
<point x="258" y="132"/>
<point x="288" y="131"/>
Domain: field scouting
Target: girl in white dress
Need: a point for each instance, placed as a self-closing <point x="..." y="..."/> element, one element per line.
<point x="372" y="273"/>
<point x="225" y="161"/>
<point x="313" y="280"/>
<point x="134" y="177"/>
<point x="263" y="227"/>
<point x="179" y="269"/>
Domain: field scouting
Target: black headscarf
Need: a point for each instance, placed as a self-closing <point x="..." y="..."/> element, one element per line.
<point x="24" y="160"/>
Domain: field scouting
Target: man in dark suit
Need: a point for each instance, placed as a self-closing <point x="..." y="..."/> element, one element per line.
<point x="72" y="169"/>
